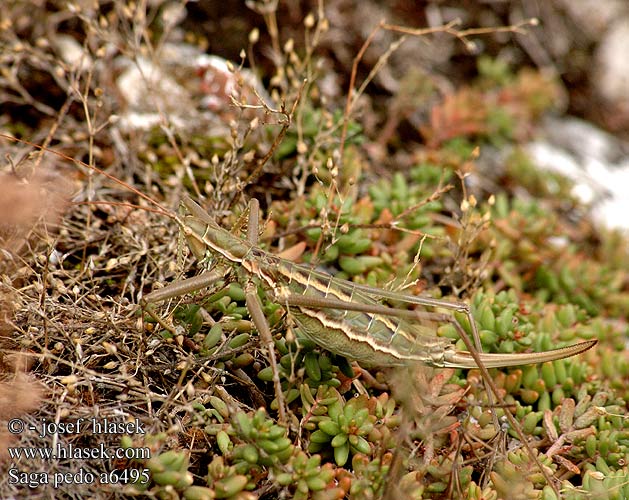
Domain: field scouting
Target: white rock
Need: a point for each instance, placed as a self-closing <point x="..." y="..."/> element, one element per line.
<point x="597" y="163"/>
<point x="142" y="82"/>
<point x="72" y="52"/>
<point x="612" y="63"/>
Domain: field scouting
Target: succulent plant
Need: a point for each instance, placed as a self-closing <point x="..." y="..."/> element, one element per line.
<point x="346" y="429"/>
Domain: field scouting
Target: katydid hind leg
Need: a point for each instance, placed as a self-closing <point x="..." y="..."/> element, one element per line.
<point x="259" y="320"/>
<point x="493" y="391"/>
<point x="475" y="351"/>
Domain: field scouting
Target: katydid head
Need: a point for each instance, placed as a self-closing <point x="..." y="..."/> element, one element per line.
<point x="203" y="233"/>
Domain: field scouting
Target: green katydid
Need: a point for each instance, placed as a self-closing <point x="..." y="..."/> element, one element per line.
<point x="339" y="315"/>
